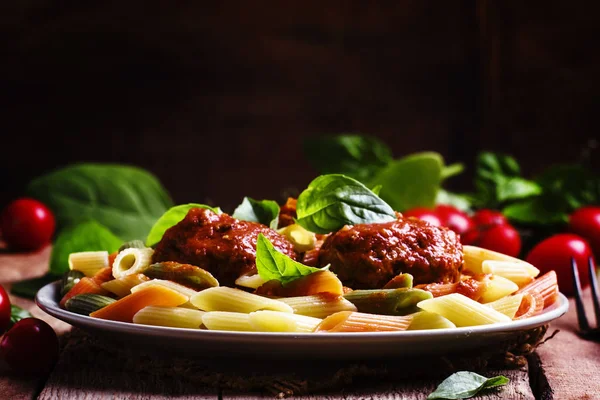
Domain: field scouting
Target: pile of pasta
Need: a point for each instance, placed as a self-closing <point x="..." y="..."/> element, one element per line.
<point x="125" y="286"/>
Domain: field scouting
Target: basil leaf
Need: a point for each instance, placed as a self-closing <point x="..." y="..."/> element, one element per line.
<point x="465" y="384"/>
<point x="536" y="211"/>
<point x="411" y="181"/>
<point x="17" y="314"/>
<point x="357" y="156"/>
<point x="271" y="264"/>
<point x="125" y="199"/>
<point x="452" y="170"/>
<point x="461" y="201"/>
<point x="264" y="212"/>
<point x="516" y="188"/>
<point x="332" y="201"/>
<point x="172" y="217"/>
<point x="87" y="236"/>
<point x="29" y="288"/>
<point x="376" y="189"/>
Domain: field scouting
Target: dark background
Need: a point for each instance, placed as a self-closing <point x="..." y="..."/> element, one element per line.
<point x="215" y="98"/>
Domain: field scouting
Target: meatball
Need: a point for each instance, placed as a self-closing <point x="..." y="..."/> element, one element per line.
<point x="367" y="256"/>
<point x="219" y="243"/>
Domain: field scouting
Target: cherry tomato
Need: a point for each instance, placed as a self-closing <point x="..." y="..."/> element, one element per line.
<point x="4" y="310"/>
<point x="585" y="222"/>
<point x="30" y="347"/>
<point x="555" y="252"/>
<point x="485" y="216"/>
<point x="453" y="218"/>
<point x="27" y="224"/>
<point x="426" y="214"/>
<point x="501" y="238"/>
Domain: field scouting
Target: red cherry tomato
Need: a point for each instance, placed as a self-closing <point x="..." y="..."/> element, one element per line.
<point x="30" y="347"/>
<point x="426" y="214"/>
<point x="486" y="217"/>
<point x="4" y="310"/>
<point x="501" y="238"/>
<point x="585" y="222"/>
<point x="453" y="218"/>
<point x="27" y="224"/>
<point x="555" y="252"/>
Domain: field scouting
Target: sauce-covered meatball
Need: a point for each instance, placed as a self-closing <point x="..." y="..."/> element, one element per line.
<point x="367" y="256"/>
<point x="219" y="243"/>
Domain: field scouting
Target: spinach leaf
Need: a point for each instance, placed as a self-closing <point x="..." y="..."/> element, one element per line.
<point x="170" y="218"/>
<point x="29" y="288"/>
<point x="411" y="181"/>
<point x="332" y="201"/>
<point x="125" y="199"/>
<point x="357" y="156"/>
<point x="17" y="314"/>
<point x="86" y="236"/>
<point x="264" y="212"/>
<point x="465" y="384"/>
<point x="271" y="264"/>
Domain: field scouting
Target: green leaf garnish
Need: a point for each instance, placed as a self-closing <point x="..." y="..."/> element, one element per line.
<point x="332" y="201"/>
<point x="17" y="314"/>
<point x="272" y="264"/>
<point x="172" y="217"/>
<point x="29" y="288"/>
<point x="264" y="212"/>
<point x="465" y="384"/>
<point x="87" y="236"/>
<point x="125" y="199"/>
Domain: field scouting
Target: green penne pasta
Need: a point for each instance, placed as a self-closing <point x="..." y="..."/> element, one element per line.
<point x="400" y="301"/>
<point x="427" y="320"/>
<point x="169" y="316"/>
<point x="318" y="305"/>
<point x="88" y="262"/>
<point x="235" y="300"/>
<point x="136" y="244"/>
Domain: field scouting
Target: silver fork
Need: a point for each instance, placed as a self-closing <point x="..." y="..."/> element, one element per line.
<point x="585" y="331"/>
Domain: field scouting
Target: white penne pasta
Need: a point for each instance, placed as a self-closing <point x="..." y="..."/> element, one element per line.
<point x="250" y="281"/>
<point x="235" y="300"/>
<point x="507" y="305"/>
<point x="427" y="320"/>
<point x="184" y="290"/>
<point x="462" y="311"/>
<point x="122" y="286"/>
<point x="131" y="261"/>
<point x="496" y="288"/>
<point x="227" y="321"/>
<point x="475" y="256"/>
<point x="169" y="316"/>
<point x="349" y="321"/>
<point x="88" y="262"/>
<point x="277" y="321"/>
<point x="516" y="272"/>
<point x="318" y="305"/>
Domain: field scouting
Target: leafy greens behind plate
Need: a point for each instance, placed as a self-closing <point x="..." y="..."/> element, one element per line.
<point x="265" y="212"/>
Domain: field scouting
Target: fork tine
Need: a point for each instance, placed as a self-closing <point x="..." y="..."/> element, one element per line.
<point x="581" y="317"/>
<point x="594" y="285"/>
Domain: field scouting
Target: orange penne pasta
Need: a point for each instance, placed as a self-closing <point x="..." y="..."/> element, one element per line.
<point x="315" y="283"/>
<point x="85" y="285"/>
<point x="531" y="304"/>
<point x="438" y="289"/>
<point x="104" y="275"/>
<point x="546" y="285"/>
<point x="473" y="287"/>
<point x="125" y="308"/>
<point x="111" y="258"/>
<point x="352" y="321"/>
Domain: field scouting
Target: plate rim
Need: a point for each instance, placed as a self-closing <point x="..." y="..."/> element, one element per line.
<point x="52" y="307"/>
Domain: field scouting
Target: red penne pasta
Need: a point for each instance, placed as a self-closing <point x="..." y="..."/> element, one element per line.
<point x="85" y="285"/>
<point x="531" y="304"/>
<point x="104" y="275"/>
<point x="546" y="285"/>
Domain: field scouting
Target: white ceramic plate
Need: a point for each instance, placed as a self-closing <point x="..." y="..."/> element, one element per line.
<point x="294" y="345"/>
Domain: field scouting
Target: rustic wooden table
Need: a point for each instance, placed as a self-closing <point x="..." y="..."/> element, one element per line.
<point x="566" y="367"/>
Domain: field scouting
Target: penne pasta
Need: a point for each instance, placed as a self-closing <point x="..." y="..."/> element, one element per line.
<point x="184" y="290"/>
<point x="302" y="239"/>
<point x="428" y="320"/>
<point x="224" y="298"/>
<point x="349" y="321"/>
<point x="401" y="301"/>
<point x="507" y="305"/>
<point x="497" y="287"/>
<point x="438" y="289"/>
<point x="532" y="303"/>
<point x="318" y="305"/>
<point x="509" y="270"/>
<point x="104" y="275"/>
<point x="176" y="317"/>
<point x="88" y="262"/>
<point x="122" y="286"/>
<point x="132" y="260"/>
<point x="462" y="311"/>
<point x="85" y="285"/>
<point x="250" y="281"/>
<point x="277" y="321"/>
<point x="475" y="256"/>
<point x="546" y="285"/>
<point x="227" y="321"/>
